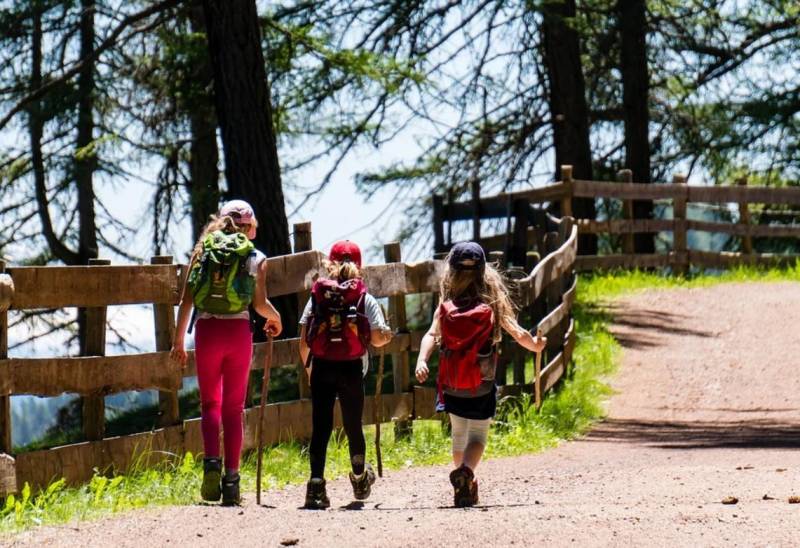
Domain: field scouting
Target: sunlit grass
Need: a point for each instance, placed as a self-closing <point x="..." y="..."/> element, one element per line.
<point x="518" y="428"/>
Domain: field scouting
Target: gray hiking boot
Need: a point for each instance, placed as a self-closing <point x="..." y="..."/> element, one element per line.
<point x="465" y="487"/>
<point x="210" y="490"/>
<point x="316" y="495"/>
<point x="230" y="491"/>
<point x="362" y="485"/>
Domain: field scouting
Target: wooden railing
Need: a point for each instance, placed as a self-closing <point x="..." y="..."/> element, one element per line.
<point x="545" y="294"/>
<point x="530" y="224"/>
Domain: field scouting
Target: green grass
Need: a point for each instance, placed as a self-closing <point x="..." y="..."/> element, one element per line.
<point x="518" y="428"/>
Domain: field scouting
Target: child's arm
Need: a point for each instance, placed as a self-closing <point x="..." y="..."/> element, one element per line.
<point x="426" y="347"/>
<point x="523" y="336"/>
<point x="178" y="352"/>
<point x="304" y="349"/>
<point x="380" y="337"/>
<point x="305" y="317"/>
<point x="262" y="305"/>
<point x="380" y="333"/>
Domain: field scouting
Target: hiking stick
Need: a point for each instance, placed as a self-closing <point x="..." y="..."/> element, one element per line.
<point x="260" y="427"/>
<point x="538" y="375"/>
<point x="378" y="415"/>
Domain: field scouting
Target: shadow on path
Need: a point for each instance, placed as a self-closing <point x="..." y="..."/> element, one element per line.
<point x="699" y="434"/>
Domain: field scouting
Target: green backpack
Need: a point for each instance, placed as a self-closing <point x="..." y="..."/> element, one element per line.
<point x="219" y="279"/>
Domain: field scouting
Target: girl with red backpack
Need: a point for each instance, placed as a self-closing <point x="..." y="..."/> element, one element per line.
<point x="226" y="275"/>
<point x="338" y="324"/>
<point x="475" y="307"/>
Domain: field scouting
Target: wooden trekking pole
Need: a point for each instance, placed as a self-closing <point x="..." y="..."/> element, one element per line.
<point x="537" y="379"/>
<point x="377" y="411"/>
<point x="260" y="427"/>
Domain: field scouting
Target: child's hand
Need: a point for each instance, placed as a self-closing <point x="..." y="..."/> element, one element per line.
<point x="178" y="353"/>
<point x="421" y="371"/>
<point x="539" y="343"/>
<point x="273" y="327"/>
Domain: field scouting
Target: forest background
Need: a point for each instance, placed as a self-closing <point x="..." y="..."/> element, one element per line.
<point x="124" y="124"/>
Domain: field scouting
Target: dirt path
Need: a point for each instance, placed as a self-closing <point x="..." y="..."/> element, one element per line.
<point x="707" y="408"/>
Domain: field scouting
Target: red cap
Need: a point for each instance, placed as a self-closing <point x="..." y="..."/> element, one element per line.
<point x="345" y="251"/>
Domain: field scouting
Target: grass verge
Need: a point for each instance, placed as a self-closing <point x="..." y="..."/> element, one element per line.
<point x="518" y="428"/>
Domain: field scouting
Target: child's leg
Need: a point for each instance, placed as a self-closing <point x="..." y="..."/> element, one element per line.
<point x="209" y="348"/>
<point x="351" y="399"/>
<point x="235" y="374"/>
<point x="458" y="430"/>
<point x="477" y="433"/>
<point x="323" y="397"/>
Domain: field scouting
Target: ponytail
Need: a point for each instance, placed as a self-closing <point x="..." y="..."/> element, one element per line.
<point x="342" y="271"/>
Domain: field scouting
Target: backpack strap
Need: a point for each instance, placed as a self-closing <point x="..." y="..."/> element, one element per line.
<point x="192" y="319"/>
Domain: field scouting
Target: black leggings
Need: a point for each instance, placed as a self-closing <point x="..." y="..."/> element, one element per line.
<point x="328" y="380"/>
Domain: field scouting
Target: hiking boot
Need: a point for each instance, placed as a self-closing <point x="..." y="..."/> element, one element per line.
<point x="316" y="496"/>
<point x="212" y="474"/>
<point x="465" y="487"/>
<point x="362" y="485"/>
<point x="230" y="491"/>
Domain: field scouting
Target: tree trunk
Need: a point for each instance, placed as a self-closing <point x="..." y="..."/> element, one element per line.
<point x="244" y="113"/>
<point x="85" y="162"/>
<point x="632" y="18"/>
<point x="35" y="131"/>
<point x="204" y="155"/>
<point x="568" y="109"/>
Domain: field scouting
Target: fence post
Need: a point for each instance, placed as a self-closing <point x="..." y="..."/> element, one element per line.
<point x="476" y="209"/>
<point x="744" y="220"/>
<point x="553" y="298"/>
<point x="94" y="409"/>
<point x="5" y="401"/>
<point x="679" y="225"/>
<point x="398" y="320"/>
<point x="164" y="322"/>
<point x="626" y="176"/>
<point x="302" y="242"/>
<point x="438" y="224"/>
<point x="519" y="241"/>
<point x="537" y="309"/>
<point x="566" y="199"/>
<point x="507" y="351"/>
<point x="450" y="201"/>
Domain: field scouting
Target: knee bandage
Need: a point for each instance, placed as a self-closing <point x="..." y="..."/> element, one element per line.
<point x="467" y="431"/>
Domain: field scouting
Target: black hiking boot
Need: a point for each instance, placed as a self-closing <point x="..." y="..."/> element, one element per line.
<point x="362" y="485"/>
<point x="212" y="474"/>
<point x="316" y="495"/>
<point x="230" y="491"/>
<point x="465" y="487"/>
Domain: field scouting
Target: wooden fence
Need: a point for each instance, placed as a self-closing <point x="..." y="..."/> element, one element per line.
<point x="546" y="295"/>
<point x="530" y="224"/>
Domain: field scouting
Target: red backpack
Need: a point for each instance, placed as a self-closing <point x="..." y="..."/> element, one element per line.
<point x="339" y="328"/>
<point x="465" y="331"/>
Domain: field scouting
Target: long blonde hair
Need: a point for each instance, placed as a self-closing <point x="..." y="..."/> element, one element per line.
<point x="341" y="271"/>
<point x="488" y="287"/>
<point x="225" y="223"/>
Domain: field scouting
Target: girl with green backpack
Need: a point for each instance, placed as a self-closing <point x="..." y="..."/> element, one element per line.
<point x="226" y="275"/>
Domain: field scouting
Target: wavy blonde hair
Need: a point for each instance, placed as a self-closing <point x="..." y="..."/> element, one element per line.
<point x="225" y="223"/>
<point x="489" y="288"/>
<point x="341" y="271"/>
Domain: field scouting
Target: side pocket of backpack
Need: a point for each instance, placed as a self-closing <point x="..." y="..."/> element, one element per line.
<point x="488" y="364"/>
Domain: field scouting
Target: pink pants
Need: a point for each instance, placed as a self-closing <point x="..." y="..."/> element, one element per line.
<point x="223" y="349"/>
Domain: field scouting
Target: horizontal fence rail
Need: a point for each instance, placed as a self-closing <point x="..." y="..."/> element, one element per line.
<point x="546" y="295"/>
<point x="527" y="212"/>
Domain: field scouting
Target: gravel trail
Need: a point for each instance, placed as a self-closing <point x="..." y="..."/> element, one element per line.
<point x="707" y="407"/>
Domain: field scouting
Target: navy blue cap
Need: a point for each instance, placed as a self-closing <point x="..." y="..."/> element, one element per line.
<point x="467" y="256"/>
